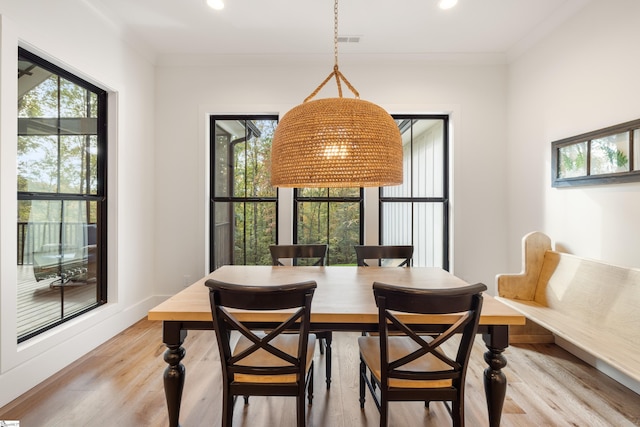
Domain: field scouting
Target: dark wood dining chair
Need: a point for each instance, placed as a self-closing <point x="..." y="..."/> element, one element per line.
<point x="423" y="363"/>
<point x="384" y="254"/>
<point x="316" y="254"/>
<point x="264" y="364"/>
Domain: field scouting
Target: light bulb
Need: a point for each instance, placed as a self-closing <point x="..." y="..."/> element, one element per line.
<point x="216" y="4"/>
<point x="447" y="4"/>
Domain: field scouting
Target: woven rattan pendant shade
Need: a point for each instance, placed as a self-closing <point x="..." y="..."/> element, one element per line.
<point x="336" y="142"/>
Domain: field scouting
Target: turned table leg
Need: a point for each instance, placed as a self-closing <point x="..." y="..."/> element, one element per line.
<point x="174" y="374"/>
<point x="495" y="382"/>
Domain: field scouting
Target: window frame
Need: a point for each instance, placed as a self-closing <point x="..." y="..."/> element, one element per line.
<point x="632" y="175"/>
<point x="444" y="199"/>
<point x="213" y="198"/>
<point x="297" y="198"/>
<point x="100" y="196"/>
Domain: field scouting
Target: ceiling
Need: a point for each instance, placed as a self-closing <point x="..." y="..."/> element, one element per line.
<point x="305" y="27"/>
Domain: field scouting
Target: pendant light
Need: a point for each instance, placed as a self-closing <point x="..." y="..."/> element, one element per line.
<point x="336" y="142"/>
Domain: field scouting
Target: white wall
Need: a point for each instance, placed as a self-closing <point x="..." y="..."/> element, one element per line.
<point x="188" y="88"/>
<point x="583" y="77"/>
<point x="77" y="37"/>
<point x="580" y="78"/>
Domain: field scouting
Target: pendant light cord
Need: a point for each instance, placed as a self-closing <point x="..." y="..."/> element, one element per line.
<point x="335" y="46"/>
<point x="335" y="73"/>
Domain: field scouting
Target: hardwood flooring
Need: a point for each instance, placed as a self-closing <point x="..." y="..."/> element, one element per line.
<point x="120" y="384"/>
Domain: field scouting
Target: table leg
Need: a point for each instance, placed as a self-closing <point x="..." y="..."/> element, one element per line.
<point x="495" y="382"/>
<point x="173" y="336"/>
<point x="327" y="360"/>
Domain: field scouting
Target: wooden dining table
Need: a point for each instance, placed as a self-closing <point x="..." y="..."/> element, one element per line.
<point x="343" y="301"/>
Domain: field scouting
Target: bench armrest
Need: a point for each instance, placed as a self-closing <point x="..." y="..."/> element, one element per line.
<point x="522" y="286"/>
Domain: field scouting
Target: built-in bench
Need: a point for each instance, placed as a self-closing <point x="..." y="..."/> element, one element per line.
<point x="591" y="305"/>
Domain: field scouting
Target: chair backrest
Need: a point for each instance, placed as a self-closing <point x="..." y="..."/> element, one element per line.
<point x="384" y="252"/>
<point x="283" y="297"/>
<point x="393" y="300"/>
<point x="297" y="252"/>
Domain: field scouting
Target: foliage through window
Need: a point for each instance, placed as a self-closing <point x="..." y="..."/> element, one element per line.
<point x="243" y="217"/>
<point x="604" y="156"/>
<point x="330" y="215"/>
<point x="61" y="196"/>
<point x="244" y="206"/>
<point x="417" y="212"/>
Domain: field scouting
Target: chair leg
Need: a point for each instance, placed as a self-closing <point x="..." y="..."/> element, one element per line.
<point x="457" y="413"/>
<point x="363" y="374"/>
<point x="384" y="409"/>
<point x="300" y="421"/>
<point x="227" y="408"/>
<point x="310" y="385"/>
<point x="327" y="361"/>
<point x="321" y="346"/>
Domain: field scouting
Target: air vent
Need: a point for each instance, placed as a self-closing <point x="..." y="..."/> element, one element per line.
<point x="348" y="39"/>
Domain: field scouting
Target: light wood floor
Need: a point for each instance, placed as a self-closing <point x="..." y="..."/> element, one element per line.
<point x="120" y="384"/>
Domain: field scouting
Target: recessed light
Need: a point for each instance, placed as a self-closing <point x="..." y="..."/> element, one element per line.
<point x="216" y="4"/>
<point x="447" y="4"/>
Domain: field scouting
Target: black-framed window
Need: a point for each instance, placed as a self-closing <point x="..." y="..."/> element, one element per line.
<point x="605" y="156"/>
<point x="330" y="215"/>
<point x="243" y="205"/>
<point x="417" y="211"/>
<point x="62" y="204"/>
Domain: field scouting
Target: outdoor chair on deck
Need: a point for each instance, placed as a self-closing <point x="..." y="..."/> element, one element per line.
<point x="416" y="366"/>
<point x="384" y="255"/>
<point x="316" y="254"/>
<point x="264" y="364"/>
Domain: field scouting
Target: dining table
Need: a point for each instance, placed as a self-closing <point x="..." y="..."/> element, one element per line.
<point x="343" y="301"/>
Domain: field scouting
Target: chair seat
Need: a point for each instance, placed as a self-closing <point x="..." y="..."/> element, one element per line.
<point x="285" y="342"/>
<point x="399" y="347"/>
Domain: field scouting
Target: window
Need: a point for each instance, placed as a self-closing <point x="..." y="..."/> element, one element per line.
<point x="330" y="215"/>
<point x="604" y="156"/>
<point x="417" y="212"/>
<point x="244" y="205"/>
<point x="61" y="196"/>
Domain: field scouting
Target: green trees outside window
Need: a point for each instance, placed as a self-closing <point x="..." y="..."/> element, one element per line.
<point x="243" y="218"/>
<point x="605" y="156"/>
<point x="244" y="206"/>
<point x="61" y="157"/>
<point x="333" y="216"/>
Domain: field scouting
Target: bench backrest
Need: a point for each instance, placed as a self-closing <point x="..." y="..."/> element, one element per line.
<point x="594" y="292"/>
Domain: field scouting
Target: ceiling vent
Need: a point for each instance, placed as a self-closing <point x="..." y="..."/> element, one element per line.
<point x="348" y="39"/>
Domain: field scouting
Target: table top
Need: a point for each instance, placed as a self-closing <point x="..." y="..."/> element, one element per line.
<point x="344" y="294"/>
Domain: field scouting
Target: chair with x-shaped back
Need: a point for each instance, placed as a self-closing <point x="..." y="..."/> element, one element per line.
<point x="314" y="255"/>
<point x="264" y="364"/>
<point x="415" y="365"/>
<point x="385" y="255"/>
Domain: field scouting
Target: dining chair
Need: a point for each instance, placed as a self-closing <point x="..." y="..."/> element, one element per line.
<point x="264" y="364"/>
<point x="384" y="254"/>
<point x="316" y="254"/>
<point x="423" y="363"/>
